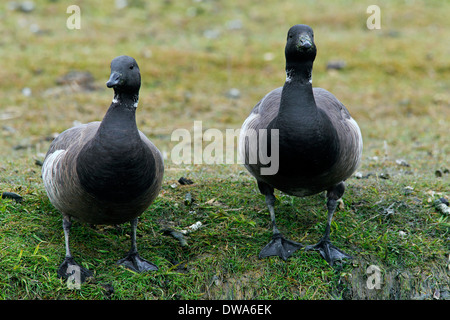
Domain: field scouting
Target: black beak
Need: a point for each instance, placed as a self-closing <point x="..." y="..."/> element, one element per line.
<point x="304" y="42"/>
<point x="114" y="80"/>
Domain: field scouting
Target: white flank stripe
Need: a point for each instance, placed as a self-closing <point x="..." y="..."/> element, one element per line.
<point x="49" y="170"/>
<point x="358" y="132"/>
<point x="243" y="133"/>
<point x="358" y="138"/>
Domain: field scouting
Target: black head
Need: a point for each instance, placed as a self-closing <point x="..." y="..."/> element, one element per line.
<point x="125" y="75"/>
<point x="300" y="44"/>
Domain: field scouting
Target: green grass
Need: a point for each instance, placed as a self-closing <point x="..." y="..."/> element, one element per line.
<point x="395" y="84"/>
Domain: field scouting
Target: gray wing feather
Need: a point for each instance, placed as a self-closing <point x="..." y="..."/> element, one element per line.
<point x="349" y="133"/>
<point x="73" y="137"/>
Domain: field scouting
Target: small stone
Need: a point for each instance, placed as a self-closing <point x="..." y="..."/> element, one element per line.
<point x="194" y="227"/>
<point x="336" y="65"/>
<point x="233" y="93"/>
<point x="393" y="34"/>
<point x="25" y="6"/>
<point x="121" y="4"/>
<point x="402" y="163"/>
<point x="268" y="56"/>
<point x="408" y="190"/>
<point x="109" y="290"/>
<point x="191" y="12"/>
<point x="405" y="102"/>
<point x="9" y="129"/>
<point x="12" y="195"/>
<point x="444" y="201"/>
<point x="216" y="280"/>
<point x="211" y="34"/>
<point x="177" y="235"/>
<point x="188" y="199"/>
<point x="385" y="176"/>
<point x="185" y="181"/>
<point x="436" y="294"/>
<point x="34" y="28"/>
<point x="442" y="206"/>
<point x="234" y="24"/>
<point x="26" y="92"/>
<point x="82" y="79"/>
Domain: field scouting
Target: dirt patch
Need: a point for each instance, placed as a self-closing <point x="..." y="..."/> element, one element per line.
<point x="369" y="281"/>
<point x="231" y="287"/>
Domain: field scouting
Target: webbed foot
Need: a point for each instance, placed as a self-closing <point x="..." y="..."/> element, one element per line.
<point x="328" y="251"/>
<point x="279" y="246"/>
<point x="70" y="269"/>
<point x="135" y="263"/>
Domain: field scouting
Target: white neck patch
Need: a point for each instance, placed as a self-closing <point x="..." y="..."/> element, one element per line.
<point x="116" y="100"/>
<point x="288" y="77"/>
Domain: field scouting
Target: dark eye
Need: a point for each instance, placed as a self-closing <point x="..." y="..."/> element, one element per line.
<point x="131" y="67"/>
<point x="290" y="36"/>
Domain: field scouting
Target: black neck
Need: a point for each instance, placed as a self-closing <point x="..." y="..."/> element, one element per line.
<point x="299" y="72"/>
<point x="297" y="100"/>
<point x="120" y="119"/>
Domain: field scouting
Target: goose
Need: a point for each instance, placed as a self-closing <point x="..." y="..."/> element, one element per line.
<point x="105" y="172"/>
<point x="313" y="142"/>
